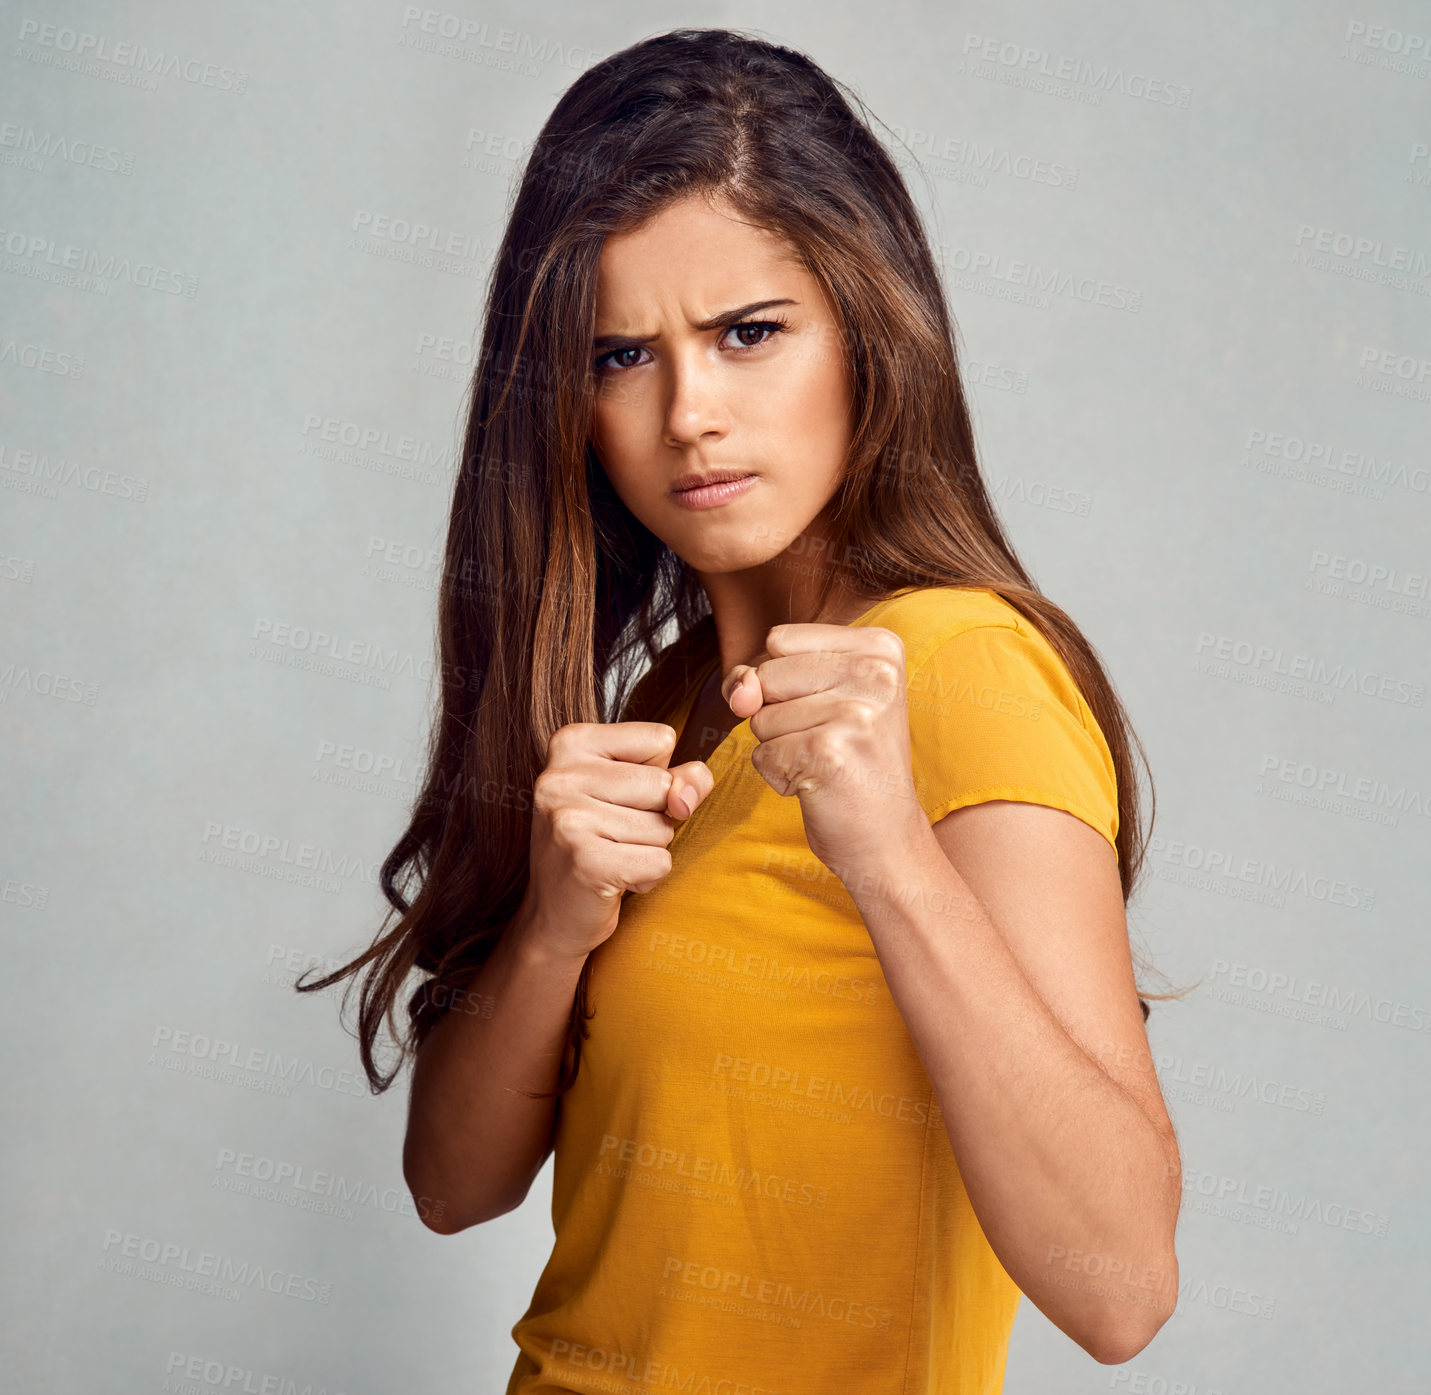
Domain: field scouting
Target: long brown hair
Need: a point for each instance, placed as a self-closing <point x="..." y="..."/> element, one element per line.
<point x="553" y="595"/>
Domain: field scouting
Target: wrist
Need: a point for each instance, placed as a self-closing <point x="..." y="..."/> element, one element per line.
<point x="535" y="946"/>
<point x="896" y="860"/>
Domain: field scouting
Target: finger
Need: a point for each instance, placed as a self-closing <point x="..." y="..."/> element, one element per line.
<point x="797" y="714"/>
<point x="642" y="743"/>
<point x="871" y="673"/>
<point x="691" y="782"/>
<point x="619" y="823"/>
<point x="635" y="785"/>
<point x="628" y="784"/>
<point x="797" y="637"/>
<point x="742" y="691"/>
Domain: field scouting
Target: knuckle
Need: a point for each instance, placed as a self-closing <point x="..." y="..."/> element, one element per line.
<point x="563" y="741"/>
<point x="566" y="822"/>
<point x="864" y="714"/>
<point x="549" y="789"/>
<point x="890" y="643"/>
<point x="585" y="862"/>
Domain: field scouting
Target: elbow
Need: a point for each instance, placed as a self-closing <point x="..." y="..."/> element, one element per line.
<point x="431" y="1202"/>
<point x="1124" y="1335"/>
<point x="439" y="1216"/>
<point x="1118" y="1345"/>
<point x="433" y="1211"/>
<point x="435" y="1214"/>
<point x="442" y="1216"/>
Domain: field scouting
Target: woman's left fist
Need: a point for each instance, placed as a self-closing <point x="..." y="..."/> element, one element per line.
<point x="829" y="709"/>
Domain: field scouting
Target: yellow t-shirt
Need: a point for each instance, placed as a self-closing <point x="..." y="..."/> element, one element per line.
<point x="754" y="1191"/>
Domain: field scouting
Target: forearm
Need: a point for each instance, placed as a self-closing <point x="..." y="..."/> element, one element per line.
<point x="1074" y="1184"/>
<point x="474" y="1139"/>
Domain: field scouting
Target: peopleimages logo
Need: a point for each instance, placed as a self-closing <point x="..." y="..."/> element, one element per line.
<point x="291" y="853"/>
<point x="618" y="1156"/>
<point x="82" y="50"/>
<point x="1237" y="1084"/>
<point x="1370" y="251"/>
<point x="35" y="147"/>
<point x="180" y="1266"/>
<point x="1371" y="573"/>
<point x="731" y="1287"/>
<point x="1374" y="798"/>
<point x="790" y="1080"/>
<point x="1224" y="656"/>
<point x="230" y="1056"/>
<point x="1274" y="1207"/>
<point x="1034" y="64"/>
<point x="1245" y="984"/>
<point x="1378" y="36"/>
<point x="1215" y="869"/>
<point x="1343" y="466"/>
<point x="465" y="37"/>
<point x="226" y="1375"/>
<point x="36" y="250"/>
<point x="308" y="1189"/>
<point x="974" y="267"/>
<point x="34" y="471"/>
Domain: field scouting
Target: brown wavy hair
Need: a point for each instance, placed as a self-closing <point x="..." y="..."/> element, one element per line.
<point x="553" y="596"/>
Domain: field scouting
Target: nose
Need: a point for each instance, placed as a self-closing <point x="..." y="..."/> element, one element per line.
<point x="695" y="407"/>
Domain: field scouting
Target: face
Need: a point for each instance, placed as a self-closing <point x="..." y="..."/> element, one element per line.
<point x="691" y="380"/>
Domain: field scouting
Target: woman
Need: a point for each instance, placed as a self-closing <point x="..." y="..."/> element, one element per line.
<point x="862" y="1057"/>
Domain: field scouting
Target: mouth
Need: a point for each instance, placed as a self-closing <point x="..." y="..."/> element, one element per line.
<point x="687" y="483"/>
<point x="712" y="490"/>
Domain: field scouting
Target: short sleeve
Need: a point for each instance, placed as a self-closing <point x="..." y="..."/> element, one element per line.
<point x="995" y="714"/>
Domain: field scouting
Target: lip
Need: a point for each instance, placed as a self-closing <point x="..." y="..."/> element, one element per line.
<point x="697" y="478"/>
<point x="719" y="487"/>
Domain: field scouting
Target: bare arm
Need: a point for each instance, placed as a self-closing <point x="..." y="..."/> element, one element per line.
<point x="474" y="1142"/>
<point x="603" y="811"/>
<point x="1014" y="976"/>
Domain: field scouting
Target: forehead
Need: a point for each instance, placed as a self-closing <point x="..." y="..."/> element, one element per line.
<point x="697" y="255"/>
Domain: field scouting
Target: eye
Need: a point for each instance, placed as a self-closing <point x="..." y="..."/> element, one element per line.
<point x="772" y="327"/>
<point x="616" y="359"/>
<point x="615" y="354"/>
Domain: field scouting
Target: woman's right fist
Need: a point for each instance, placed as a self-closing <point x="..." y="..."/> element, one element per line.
<point x="601" y="822"/>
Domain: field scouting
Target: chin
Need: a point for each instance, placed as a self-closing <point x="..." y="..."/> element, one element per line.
<point x="719" y="561"/>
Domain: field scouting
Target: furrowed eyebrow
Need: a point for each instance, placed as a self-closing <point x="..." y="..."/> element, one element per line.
<point x="724" y="320"/>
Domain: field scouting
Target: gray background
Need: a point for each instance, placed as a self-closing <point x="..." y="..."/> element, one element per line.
<point x="234" y="434"/>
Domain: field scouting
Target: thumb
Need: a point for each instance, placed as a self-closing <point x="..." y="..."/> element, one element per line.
<point x="741" y="690"/>
<point x="691" y="782"/>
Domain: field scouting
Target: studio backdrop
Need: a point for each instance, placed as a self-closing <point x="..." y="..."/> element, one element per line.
<point x="243" y="249"/>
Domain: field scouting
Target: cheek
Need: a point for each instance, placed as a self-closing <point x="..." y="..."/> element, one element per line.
<point x="812" y="414"/>
<point x="622" y="445"/>
<point x="611" y="436"/>
<point x="828" y="383"/>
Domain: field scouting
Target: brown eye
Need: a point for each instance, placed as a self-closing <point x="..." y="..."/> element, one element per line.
<point x="612" y="357"/>
<point x="762" y="327"/>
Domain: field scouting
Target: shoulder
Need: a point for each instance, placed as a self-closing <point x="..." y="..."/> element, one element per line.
<point x="927" y="617"/>
<point x="998" y="638"/>
<point x="993" y="710"/>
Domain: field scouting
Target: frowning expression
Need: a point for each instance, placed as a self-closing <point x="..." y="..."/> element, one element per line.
<point x="717" y="354"/>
